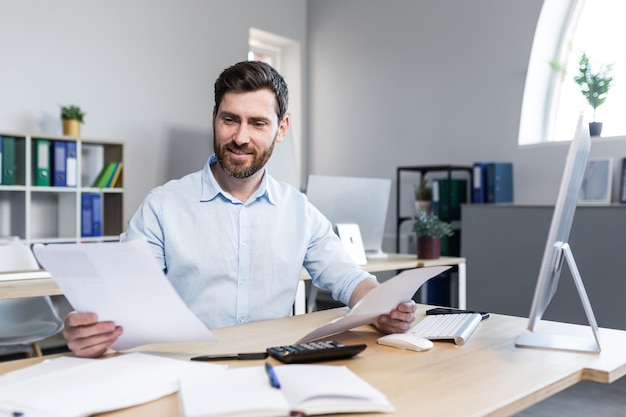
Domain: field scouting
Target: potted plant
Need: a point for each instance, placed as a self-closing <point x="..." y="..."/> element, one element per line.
<point x="72" y="117"/>
<point x="594" y="86"/>
<point x="423" y="197"/>
<point x="430" y="229"/>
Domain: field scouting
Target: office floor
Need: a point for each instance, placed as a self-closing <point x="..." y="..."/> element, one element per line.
<point x="584" y="399"/>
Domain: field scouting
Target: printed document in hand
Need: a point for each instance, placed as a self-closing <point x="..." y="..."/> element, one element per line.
<point x="306" y="389"/>
<point x="77" y="387"/>
<point x="380" y="300"/>
<point x="123" y="282"/>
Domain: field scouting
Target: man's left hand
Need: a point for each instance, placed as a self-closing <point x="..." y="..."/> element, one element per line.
<point x="399" y="320"/>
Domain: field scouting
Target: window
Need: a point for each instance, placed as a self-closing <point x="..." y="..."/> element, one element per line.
<point x="552" y="101"/>
<point x="286" y="163"/>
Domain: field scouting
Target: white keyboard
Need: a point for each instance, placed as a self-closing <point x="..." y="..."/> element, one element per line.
<point x="456" y="327"/>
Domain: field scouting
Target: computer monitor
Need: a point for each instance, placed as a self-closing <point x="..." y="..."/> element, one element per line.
<point x="363" y="201"/>
<point x="557" y="251"/>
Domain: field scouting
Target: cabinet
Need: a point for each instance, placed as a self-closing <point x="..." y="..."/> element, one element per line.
<point x="505" y="243"/>
<point x="52" y="214"/>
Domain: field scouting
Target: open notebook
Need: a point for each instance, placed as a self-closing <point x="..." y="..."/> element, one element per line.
<point x="304" y="390"/>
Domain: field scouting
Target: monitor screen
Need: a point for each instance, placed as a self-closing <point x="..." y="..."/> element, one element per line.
<point x="363" y="201"/>
<point x="562" y="219"/>
<point x="557" y="252"/>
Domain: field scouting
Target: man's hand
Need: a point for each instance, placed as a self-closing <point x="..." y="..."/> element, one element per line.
<point x="399" y="320"/>
<point x="87" y="337"/>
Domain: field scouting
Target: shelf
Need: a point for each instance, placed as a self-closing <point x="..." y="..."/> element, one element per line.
<point x="408" y="177"/>
<point x="47" y="213"/>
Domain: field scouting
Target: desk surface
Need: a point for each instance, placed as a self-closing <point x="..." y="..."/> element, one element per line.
<point x="46" y="286"/>
<point x="488" y="376"/>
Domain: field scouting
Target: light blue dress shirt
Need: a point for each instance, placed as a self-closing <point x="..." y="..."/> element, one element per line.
<point x="235" y="262"/>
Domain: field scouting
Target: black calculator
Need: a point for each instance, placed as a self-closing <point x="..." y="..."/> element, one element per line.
<point x="314" y="351"/>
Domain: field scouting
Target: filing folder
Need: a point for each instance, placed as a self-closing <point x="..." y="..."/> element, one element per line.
<point x="116" y="175"/>
<point x="499" y="182"/>
<point x="91" y="214"/>
<point x="0" y="160"/>
<point x="8" y="160"/>
<point x="86" y="214"/>
<point x="479" y="193"/>
<point x="105" y="175"/>
<point x="96" y="215"/>
<point x="42" y="162"/>
<point x="70" y="164"/>
<point x="59" y="156"/>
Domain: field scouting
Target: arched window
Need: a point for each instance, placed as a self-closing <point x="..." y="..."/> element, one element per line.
<point x="552" y="99"/>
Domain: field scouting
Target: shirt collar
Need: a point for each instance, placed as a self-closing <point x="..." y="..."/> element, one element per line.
<point x="211" y="189"/>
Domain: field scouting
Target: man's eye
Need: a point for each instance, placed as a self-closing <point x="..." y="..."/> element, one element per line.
<point x="259" y="124"/>
<point x="228" y="120"/>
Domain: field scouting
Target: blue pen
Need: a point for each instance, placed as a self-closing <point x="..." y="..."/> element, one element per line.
<point x="272" y="375"/>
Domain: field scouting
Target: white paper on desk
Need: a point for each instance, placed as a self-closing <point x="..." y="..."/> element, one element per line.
<point x="75" y="387"/>
<point x="122" y="282"/>
<point x="380" y="300"/>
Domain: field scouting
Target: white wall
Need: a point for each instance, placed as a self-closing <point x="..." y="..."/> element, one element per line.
<point x="407" y="82"/>
<point x="143" y="71"/>
<point x="399" y="82"/>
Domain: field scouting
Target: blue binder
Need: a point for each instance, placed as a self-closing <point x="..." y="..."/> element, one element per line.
<point x="86" y="215"/>
<point x="71" y="164"/>
<point x="91" y="214"/>
<point x="479" y="174"/>
<point x="96" y="214"/>
<point x="59" y="155"/>
<point x="499" y="182"/>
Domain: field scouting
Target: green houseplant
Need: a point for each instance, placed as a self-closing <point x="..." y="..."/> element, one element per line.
<point x="594" y="86"/>
<point x="430" y="229"/>
<point x="72" y="117"/>
<point x="423" y="197"/>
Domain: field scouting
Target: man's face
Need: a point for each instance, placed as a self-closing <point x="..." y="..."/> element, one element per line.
<point x="245" y="130"/>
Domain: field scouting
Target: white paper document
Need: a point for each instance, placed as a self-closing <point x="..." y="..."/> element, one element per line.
<point x="381" y="300"/>
<point x="77" y="387"/>
<point x="122" y="282"/>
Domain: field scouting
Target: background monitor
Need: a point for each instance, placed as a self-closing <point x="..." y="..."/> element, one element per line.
<point x="557" y="251"/>
<point x="363" y="201"/>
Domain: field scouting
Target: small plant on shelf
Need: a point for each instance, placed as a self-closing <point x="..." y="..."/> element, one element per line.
<point x="429" y="225"/>
<point x="423" y="192"/>
<point x="72" y="113"/>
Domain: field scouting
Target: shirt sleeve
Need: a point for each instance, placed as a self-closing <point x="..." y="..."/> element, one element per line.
<point x="328" y="264"/>
<point x="145" y="224"/>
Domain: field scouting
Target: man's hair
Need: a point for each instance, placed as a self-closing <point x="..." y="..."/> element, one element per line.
<point x="249" y="76"/>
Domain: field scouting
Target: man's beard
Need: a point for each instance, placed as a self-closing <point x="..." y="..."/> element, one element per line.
<point x="240" y="169"/>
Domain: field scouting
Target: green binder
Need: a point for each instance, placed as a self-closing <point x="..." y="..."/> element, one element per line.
<point x="8" y="160"/>
<point x="42" y="162"/>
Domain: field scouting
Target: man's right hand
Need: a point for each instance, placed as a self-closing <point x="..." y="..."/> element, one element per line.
<point x="87" y="337"/>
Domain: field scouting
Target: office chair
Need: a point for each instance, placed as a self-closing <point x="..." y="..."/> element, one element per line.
<point x="25" y="321"/>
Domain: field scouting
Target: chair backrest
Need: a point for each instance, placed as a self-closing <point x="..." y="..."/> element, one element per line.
<point x="16" y="256"/>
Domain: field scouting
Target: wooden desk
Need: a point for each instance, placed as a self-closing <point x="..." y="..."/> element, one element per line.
<point x="393" y="262"/>
<point x="488" y="376"/>
<point x="46" y="286"/>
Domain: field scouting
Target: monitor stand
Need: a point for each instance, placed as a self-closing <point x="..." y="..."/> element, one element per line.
<point x="376" y="254"/>
<point x="564" y="342"/>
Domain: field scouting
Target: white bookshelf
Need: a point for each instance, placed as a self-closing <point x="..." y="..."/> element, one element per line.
<point x="49" y="214"/>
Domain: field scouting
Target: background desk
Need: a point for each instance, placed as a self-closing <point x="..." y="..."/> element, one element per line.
<point x="47" y="286"/>
<point x="488" y="376"/>
<point x="393" y="262"/>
